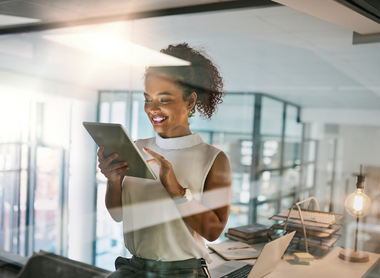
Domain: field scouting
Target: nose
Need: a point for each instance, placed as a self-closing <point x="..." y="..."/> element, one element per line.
<point x="152" y="107"/>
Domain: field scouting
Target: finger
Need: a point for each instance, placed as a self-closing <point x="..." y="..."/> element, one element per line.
<point x="121" y="170"/>
<point x="153" y="154"/>
<point x="112" y="157"/>
<point x="117" y="166"/>
<point x="152" y="161"/>
<point x="101" y="153"/>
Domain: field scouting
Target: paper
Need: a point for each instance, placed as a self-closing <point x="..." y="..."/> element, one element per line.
<point x="234" y="250"/>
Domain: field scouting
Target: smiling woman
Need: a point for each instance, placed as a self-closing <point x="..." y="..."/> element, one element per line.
<point x="166" y="108"/>
<point x="166" y="221"/>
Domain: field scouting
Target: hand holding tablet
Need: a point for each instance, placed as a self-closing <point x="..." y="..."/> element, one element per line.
<point x="112" y="171"/>
<point x="117" y="141"/>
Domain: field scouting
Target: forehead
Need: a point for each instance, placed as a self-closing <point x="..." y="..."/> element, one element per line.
<point x="161" y="83"/>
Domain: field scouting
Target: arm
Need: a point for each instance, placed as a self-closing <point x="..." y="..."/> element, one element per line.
<point x="215" y="205"/>
<point x="209" y="217"/>
<point x="114" y="182"/>
<point x="113" y="200"/>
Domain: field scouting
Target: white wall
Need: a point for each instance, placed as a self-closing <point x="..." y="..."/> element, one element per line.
<point x="341" y="116"/>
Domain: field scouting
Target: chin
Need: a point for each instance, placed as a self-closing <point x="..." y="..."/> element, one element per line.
<point x="158" y="129"/>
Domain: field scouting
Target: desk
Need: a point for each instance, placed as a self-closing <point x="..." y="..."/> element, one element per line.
<point x="328" y="266"/>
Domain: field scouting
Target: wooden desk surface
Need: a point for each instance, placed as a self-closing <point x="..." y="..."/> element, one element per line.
<point x="328" y="266"/>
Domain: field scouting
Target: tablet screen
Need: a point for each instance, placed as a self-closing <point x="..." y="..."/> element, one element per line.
<point x="115" y="139"/>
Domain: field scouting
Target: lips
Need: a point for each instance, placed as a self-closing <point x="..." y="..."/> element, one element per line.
<point x="158" y="119"/>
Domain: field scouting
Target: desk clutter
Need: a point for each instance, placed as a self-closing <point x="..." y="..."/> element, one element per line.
<point x="245" y="242"/>
<point x="314" y="228"/>
<point x="303" y="258"/>
<point x="251" y="234"/>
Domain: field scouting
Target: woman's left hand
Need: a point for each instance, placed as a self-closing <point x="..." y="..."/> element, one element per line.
<point x="167" y="176"/>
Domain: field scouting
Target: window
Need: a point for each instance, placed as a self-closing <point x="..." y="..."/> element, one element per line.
<point x="33" y="164"/>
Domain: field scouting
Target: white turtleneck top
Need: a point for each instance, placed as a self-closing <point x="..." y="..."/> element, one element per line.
<point x="153" y="227"/>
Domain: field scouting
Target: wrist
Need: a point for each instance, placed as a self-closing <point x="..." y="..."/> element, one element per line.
<point x="113" y="184"/>
<point x="180" y="193"/>
<point x="186" y="197"/>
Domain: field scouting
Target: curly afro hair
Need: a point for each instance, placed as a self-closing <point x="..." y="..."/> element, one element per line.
<point x="201" y="77"/>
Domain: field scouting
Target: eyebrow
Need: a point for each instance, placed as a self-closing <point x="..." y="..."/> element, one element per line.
<point x="160" y="94"/>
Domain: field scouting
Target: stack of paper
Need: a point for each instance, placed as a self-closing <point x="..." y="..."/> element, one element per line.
<point x="321" y="227"/>
<point x="310" y="217"/>
<point x="311" y="230"/>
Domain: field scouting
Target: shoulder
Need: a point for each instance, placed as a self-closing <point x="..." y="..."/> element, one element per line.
<point x="219" y="175"/>
<point x="208" y="148"/>
<point x="216" y="157"/>
<point x="221" y="161"/>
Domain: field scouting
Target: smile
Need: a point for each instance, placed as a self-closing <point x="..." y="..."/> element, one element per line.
<point x="158" y="119"/>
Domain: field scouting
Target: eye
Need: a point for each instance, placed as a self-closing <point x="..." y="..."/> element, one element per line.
<point x="165" y="100"/>
<point x="147" y="100"/>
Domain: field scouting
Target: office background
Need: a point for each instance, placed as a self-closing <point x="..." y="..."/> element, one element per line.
<point x="301" y="114"/>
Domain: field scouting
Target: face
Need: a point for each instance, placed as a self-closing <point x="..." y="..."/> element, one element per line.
<point x="165" y="107"/>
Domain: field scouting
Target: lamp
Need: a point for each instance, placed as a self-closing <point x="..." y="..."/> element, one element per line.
<point x="358" y="204"/>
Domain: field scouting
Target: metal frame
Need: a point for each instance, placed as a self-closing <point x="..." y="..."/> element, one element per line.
<point x="255" y="171"/>
<point x="304" y="164"/>
<point x="359" y="9"/>
<point x="210" y="7"/>
<point x="332" y="182"/>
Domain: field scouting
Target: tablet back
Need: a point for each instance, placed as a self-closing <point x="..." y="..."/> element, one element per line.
<point x="116" y="140"/>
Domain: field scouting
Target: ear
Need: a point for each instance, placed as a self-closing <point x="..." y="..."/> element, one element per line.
<point x="191" y="100"/>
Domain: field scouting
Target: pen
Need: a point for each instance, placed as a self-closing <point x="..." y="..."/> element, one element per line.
<point x="235" y="248"/>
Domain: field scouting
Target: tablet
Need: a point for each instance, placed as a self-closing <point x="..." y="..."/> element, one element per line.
<point x="116" y="140"/>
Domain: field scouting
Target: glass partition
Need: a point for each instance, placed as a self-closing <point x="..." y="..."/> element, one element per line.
<point x="51" y="191"/>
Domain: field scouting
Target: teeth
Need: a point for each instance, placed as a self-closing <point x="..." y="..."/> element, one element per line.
<point x="159" y="119"/>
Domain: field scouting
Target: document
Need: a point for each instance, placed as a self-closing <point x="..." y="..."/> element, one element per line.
<point x="235" y="250"/>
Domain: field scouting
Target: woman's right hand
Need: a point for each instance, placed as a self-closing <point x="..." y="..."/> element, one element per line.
<point x="111" y="171"/>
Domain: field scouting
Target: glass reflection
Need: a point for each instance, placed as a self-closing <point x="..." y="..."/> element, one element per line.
<point x="46" y="205"/>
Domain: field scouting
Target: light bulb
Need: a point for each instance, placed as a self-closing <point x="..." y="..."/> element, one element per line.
<point x="358" y="204"/>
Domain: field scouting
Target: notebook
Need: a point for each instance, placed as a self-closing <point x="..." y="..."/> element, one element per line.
<point x="250" y="231"/>
<point x="235" y="250"/>
<point x="266" y="262"/>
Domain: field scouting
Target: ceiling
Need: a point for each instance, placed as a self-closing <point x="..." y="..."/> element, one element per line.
<point x="63" y="10"/>
<point x="275" y="50"/>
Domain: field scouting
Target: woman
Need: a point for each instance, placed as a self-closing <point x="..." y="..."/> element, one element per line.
<point x="166" y="221"/>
